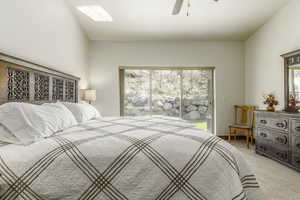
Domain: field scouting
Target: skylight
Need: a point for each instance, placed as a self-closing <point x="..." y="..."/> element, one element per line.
<point x="96" y="13"/>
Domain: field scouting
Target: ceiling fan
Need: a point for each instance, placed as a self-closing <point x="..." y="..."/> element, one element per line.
<point x="178" y="6"/>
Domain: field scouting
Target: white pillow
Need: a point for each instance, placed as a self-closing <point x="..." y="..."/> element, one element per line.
<point x="13" y="117"/>
<point x="56" y="117"/>
<point x="30" y="122"/>
<point x="82" y="111"/>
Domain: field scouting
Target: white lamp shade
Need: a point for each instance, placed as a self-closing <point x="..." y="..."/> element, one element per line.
<point x="90" y="95"/>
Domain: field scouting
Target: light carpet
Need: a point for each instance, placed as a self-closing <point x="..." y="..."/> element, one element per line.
<point x="277" y="181"/>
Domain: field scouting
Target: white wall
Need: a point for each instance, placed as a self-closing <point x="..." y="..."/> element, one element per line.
<point x="227" y="57"/>
<point x="45" y="32"/>
<point x="263" y="64"/>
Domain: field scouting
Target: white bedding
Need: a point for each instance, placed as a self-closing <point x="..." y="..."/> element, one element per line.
<point x="145" y="158"/>
<point x="83" y="112"/>
<point x="29" y="122"/>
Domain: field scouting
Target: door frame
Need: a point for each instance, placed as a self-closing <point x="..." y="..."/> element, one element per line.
<point x="122" y="84"/>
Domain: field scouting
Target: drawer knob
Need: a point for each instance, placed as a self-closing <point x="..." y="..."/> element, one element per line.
<point x="280" y="125"/>
<point x="282" y="155"/>
<point x="263" y="121"/>
<point x="263" y="148"/>
<point x="297" y="128"/>
<point x="282" y="140"/>
<point x="263" y="135"/>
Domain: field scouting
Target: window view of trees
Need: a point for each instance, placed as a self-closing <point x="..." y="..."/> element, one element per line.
<point x="196" y="94"/>
<point x="166" y="92"/>
<point x="177" y="93"/>
<point x="137" y="93"/>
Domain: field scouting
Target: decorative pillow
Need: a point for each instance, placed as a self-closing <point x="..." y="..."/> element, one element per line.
<point x="82" y="111"/>
<point x="30" y="122"/>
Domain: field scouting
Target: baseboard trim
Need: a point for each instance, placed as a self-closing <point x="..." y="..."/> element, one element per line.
<point x="238" y="137"/>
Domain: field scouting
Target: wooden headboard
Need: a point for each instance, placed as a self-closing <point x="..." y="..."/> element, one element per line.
<point x="23" y="81"/>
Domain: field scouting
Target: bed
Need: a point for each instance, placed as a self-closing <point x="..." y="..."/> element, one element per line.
<point x="122" y="158"/>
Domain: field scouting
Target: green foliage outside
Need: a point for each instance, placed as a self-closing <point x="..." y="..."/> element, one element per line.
<point x="201" y="125"/>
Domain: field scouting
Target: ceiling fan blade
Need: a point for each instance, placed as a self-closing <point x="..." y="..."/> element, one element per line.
<point x="177" y="7"/>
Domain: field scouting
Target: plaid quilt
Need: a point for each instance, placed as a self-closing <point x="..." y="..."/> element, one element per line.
<point x="144" y="158"/>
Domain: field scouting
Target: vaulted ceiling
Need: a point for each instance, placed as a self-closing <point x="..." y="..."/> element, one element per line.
<point x="152" y="19"/>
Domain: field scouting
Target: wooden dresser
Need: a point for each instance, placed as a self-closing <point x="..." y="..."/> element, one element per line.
<point x="277" y="136"/>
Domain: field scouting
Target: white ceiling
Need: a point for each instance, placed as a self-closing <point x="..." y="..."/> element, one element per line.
<point x="152" y="19"/>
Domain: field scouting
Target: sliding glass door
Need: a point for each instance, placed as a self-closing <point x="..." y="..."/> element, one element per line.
<point x="137" y="93"/>
<point x="165" y="92"/>
<point x="180" y="92"/>
<point x="197" y="97"/>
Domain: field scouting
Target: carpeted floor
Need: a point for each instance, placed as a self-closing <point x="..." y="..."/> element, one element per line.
<point x="277" y="181"/>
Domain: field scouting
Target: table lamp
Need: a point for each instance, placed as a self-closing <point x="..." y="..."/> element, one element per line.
<point x="90" y="95"/>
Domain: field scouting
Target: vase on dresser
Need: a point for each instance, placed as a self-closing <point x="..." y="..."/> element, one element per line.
<point x="277" y="136"/>
<point x="271" y="108"/>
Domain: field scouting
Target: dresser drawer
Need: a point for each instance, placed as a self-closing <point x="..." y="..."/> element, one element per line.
<point x="280" y="154"/>
<point x="296" y="160"/>
<point x="277" y="135"/>
<point x="295" y="127"/>
<point x="264" y="135"/>
<point x="274" y="138"/>
<point x="280" y="140"/>
<point x="263" y="147"/>
<point x="296" y="143"/>
<point x="275" y="123"/>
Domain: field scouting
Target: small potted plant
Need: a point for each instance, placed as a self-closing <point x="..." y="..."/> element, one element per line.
<point x="270" y="101"/>
<point x="292" y="104"/>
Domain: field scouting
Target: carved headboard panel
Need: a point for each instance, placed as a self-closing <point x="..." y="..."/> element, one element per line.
<point x="23" y="81"/>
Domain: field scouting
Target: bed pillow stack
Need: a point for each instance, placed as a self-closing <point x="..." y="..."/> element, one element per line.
<point x="24" y="123"/>
<point x="82" y="111"/>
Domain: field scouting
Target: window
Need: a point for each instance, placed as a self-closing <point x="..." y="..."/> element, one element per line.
<point x="178" y="92"/>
